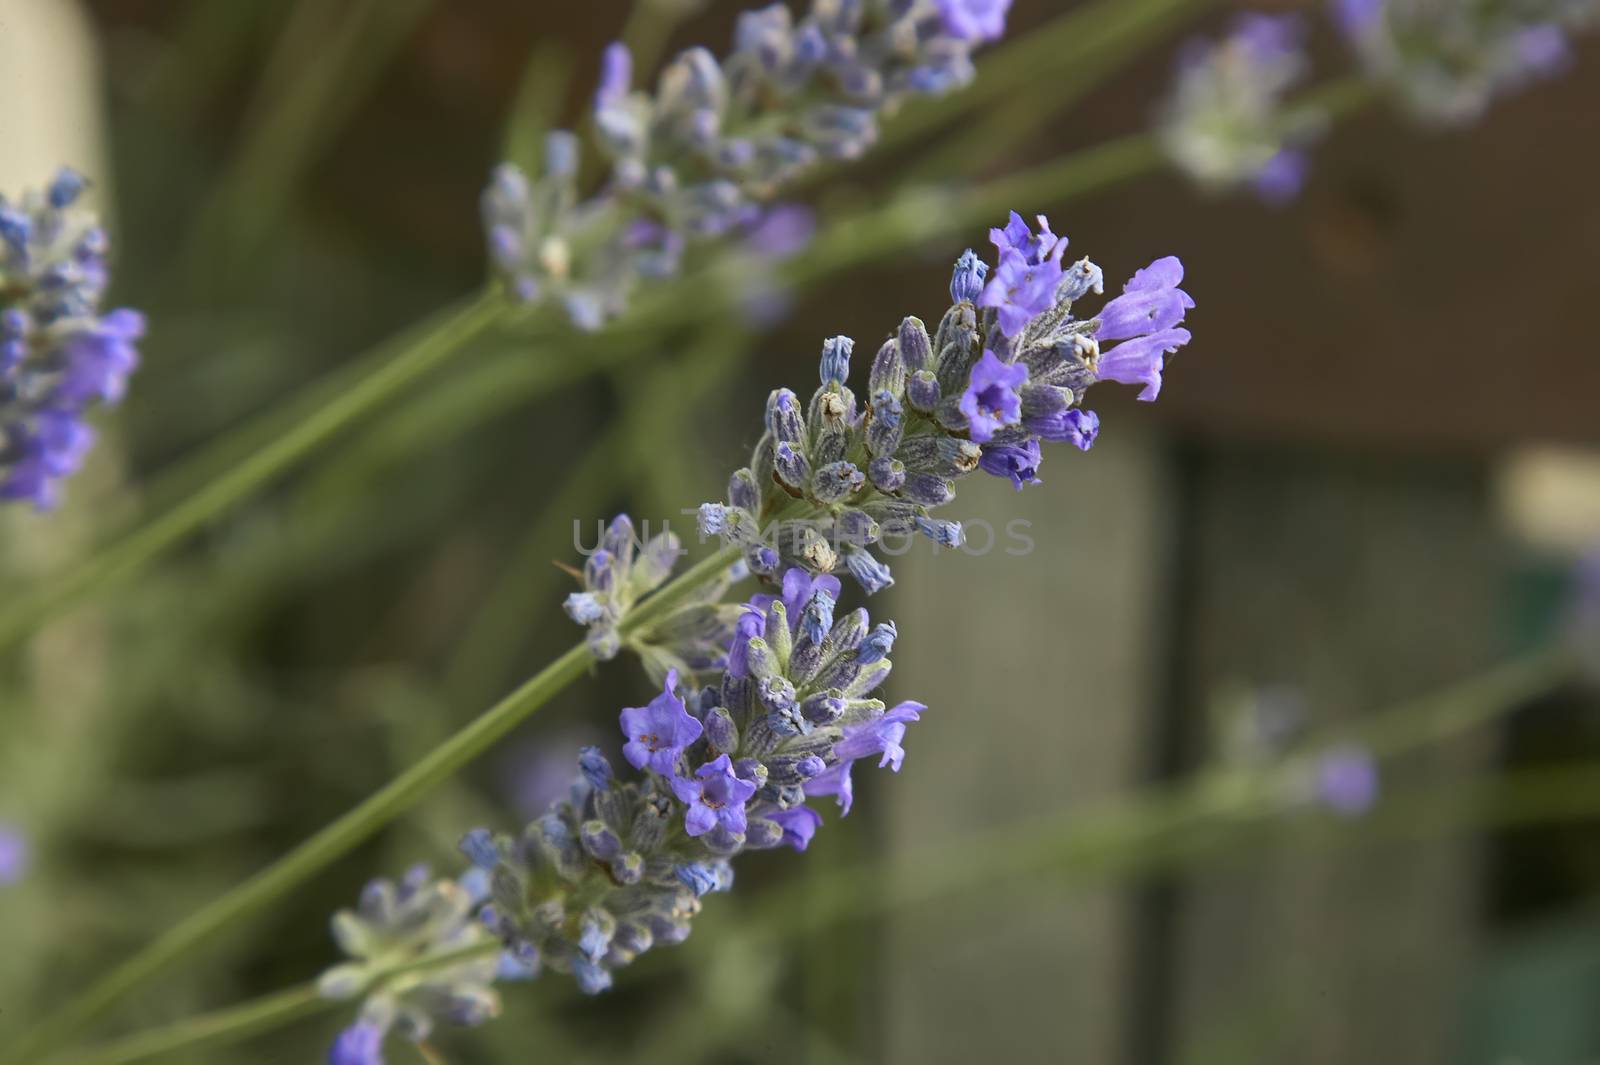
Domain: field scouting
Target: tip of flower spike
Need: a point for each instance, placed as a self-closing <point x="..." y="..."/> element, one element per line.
<point x="835" y="366"/>
<point x="616" y="75"/>
<point x="966" y="283"/>
<point x="65" y="188"/>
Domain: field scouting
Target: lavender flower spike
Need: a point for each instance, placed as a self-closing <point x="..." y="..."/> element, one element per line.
<point x="703" y="157"/>
<point x="998" y="377"/>
<point x="1226" y="124"/>
<point x="621" y="867"/>
<point x="59" y="356"/>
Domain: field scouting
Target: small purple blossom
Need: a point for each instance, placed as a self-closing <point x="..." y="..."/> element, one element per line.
<point x="966" y="281"/>
<point x="834" y="781"/>
<point x="974" y="20"/>
<point x="1346" y="780"/>
<point x="1074" y="426"/>
<point x="658" y="732"/>
<point x="881" y="736"/>
<point x="15" y="855"/>
<point x="359" y="1044"/>
<point x="1145" y="318"/>
<point x="1020" y="462"/>
<point x="716" y="797"/>
<point x="616" y="75"/>
<point x="799" y="824"/>
<point x="1024" y="286"/>
<point x="992" y="400"/>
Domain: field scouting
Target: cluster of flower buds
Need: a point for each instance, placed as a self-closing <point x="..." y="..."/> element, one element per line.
<point x="421" y="956"/>
<point x="1007" y="368"/>
<point x="691" y="638"/>
<point x="59" y="355"/>
<point x="704" y="155"/>
<point x="622" y="865"/>
<point x="1448" y="59"/>
<point x="1226" y="125"/>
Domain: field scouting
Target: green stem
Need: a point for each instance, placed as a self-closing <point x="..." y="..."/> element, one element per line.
<point x="392" y="369"/>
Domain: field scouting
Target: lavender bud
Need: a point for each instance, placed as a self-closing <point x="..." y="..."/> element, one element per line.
<point x="785" y="421"/>
<point x="698" y="878"/>
<point x="480" y="848"/>
<point x="871" y="574"/>
<point x="823" y="707"/>
<point x="922" y="391"/>
<point x="595" y="768"/>
<point x="943" y="533"/>
<point x="711" y="520"/>
<point x="817" y="617"/>
<point x="742" y="491"/>
<point x="1081" y="278"/>
<point x="888" y="372"/>
<point x="887" y="474"/>
<point x="835" y="368"/>
<point x="878" y="644"/>
<point x="887" y="426"/>
<point x="966" y="285"/>
<point x="836" y="482"/>
<point x="791" y="465"/>
<point x="720" y="731"/>
<point x="627" y="868"/>
<point x="777" y="693"/>
<point x="928" y="489"/>
<point x="856" y="527"/>
<point x="599" y="840"/>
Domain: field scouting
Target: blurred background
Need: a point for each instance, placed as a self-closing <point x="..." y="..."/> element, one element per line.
<point x="1369" y="477"/>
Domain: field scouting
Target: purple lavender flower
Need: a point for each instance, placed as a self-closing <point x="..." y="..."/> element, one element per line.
<point x="14" y="854"/>
<point x="616" y="75"/>
<point x="58" y="355"/>
<point x="974" y="20"/>
<point x="1144" y="317"/>
<point x="659" y="731"/>
<point x="359" y="1044"/>
<point x="799" y="824"/>
<point x="716" y="797"/>
<point x="992" y="401"/>
<point x="1074" y="426"/>
<point x="782" y="231"/>
<point x="1024" y="286"/>
<point x="966" y="281"/>
<point x="1151" y="302"/>
<point x="1020" y="462"/>
<point x="834" y="781"/>
<point x="1347" y="780"/>
<point x="882" y="736"/>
